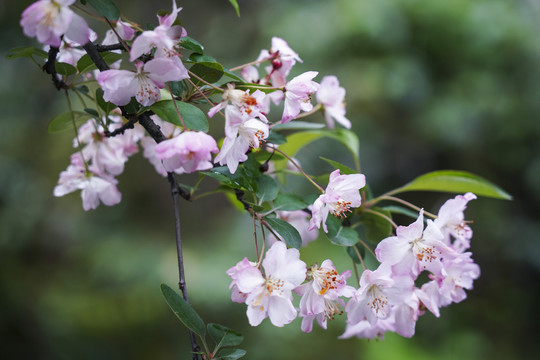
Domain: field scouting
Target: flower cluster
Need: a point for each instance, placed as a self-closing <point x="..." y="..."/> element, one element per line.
<point x="387" y="298"/>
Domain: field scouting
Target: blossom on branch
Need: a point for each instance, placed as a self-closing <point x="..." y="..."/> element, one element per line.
<point x="120" y="85"/>
<point x="341" y="194"/>
<point x="48" y="20"/>
<point x="331" y="96"/>
<point x="188" y="152"/>
<point x="298" y="95"/>
<point x="270" y="294"/>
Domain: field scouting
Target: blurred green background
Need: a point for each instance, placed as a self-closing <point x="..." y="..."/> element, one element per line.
<point x="431" y="85"/>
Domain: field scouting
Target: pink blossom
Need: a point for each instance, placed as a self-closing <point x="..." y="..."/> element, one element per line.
<point x="252" y="105"/>
<point x="298" y="95"/>
<point x="149" y="144"/>
<point x="120" y="85"/>
<point x="270" y="295"/>
<point x="331" y="96"/>
<point x="164" y="37"/>
<point x="95" y="188"/>
<point x="246" y="271"/>
<point x="414" y="249"/>
<point x="48" y="20"/>
<point x="282" y="58"/>
<point x="320" y="296"/>
<point x="241" y="134"/>
<point x="188" y="152"/>
<point x="341" y="194"/>
<point x="383" y="295"/>
<point x="450" y="221"/>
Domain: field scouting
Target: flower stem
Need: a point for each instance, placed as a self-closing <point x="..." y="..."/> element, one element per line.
<point x="297" y="166"/>
<point x="204" y="81"/>
<point x="382" y="216"/>
<point x="406" y="203"/>
<point x="360" y="258"/>
<point x="176" y="107"/>
<point x="240" y="67"/>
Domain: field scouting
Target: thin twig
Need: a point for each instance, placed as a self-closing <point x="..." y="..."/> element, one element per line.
<point x="359" y="257"/>
<point x="382" y="216"/>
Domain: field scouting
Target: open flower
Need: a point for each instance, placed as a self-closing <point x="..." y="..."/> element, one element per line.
<point x="320" y="296"/>
<point x="188" y="152"/>
<point x="450" y="221"/>
<point x="120" y="85"/>
<point x="331" y="96"/>
<point x="298" y="95"/>
<point x="341" y="194"/>
<point x="270" y="294"/>
<point x="241" y="134"/>
<point x="48" y="20"/>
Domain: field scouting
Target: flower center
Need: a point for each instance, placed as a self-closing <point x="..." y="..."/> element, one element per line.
<point x="379" y="302"/>
<point x="340" y="208"/>
<point x="327" y="279"/>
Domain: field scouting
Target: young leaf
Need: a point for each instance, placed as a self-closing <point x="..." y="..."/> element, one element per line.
<point x="64" y="121"/>
<point x="224" y="336"/>
<point x="234" y="3"/>
<point x="191" y="44"/>
<point x="183" y="311"/>
<point x="394" y="209"/>
<point x="25" y="51"/>
<point x="267" y="188"/>
<point x="286" y="230"/>
<point x="231" y="75"/>
<point x="376" y="227"/>
<point x="298" y="125"/>
<point x="289" y="202"/>
<point x="106" y="8"/>
<point x="455" y="182"/>
<point x="338" y="234"/>
<point x="231" y="354"/>
<point x="193" y="117"/>
<point x="104" y="105"/>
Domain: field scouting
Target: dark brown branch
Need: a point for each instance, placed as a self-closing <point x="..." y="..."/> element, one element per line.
<point x="102" y="48"/>
<point x="50" y="68"/>
<point x="155" y="132"/>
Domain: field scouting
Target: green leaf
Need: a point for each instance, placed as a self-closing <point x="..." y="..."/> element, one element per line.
<point x="92" y="112"/>
<point x="231" y="354"/>
<point x="267" y="188"/>
<point x="106" y="8"/>
<point x="64" y="121"/>
<point x="376" y="227"/>
<point x="177" y="88"/>
<point x="65" y="69"/>
<point x="205" y="67"/>
<point x="298" y="125"/>
<point x="232" y="75"/>
<point x="238" y="180"/>
<point x="343" y="169"/>
<point x="286" y="230"/>
<point x="455" y="182"/>
<point x="193" y="117"/>
<point x="234" y="3"/>
<point x="187" y="315"/>
<point x="276" y="138"/>
<point x="85" y="63"/>
<point x="340" y="235"/>
<point x="289" y="202"/>
<point x="191" y="44"/>
<point x="26" y="51"/>
<point x="224" y="336"/>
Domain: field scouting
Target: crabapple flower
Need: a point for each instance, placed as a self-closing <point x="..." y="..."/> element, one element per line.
<point x="414" y="249"/>
<point x="188" y="152"/>
<point x="252" y="105"/>
<point x="149" y="144"/>
<point x="48" y="20"/>
<point x="95" y="187"/>
<point x="164" y="37"/>
<point x="320" y="296"/>
<point x="282" y="57"/>
<point x="298" y="219"/>
<point x="241" y="134"/>
<point x="246" y="271"/>
<point x="120" y="85"/>
<point x="383" y="295"/>
<point x="331" y="96"/>
<point x="298" y="95"/>
<point x="450" y="221"/>
<point x="341" y="194"/>
<point x="270" y="294"/>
